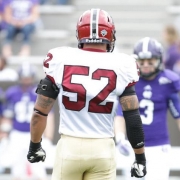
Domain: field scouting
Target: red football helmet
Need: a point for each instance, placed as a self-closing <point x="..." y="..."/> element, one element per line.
<point x="96" y="26"/>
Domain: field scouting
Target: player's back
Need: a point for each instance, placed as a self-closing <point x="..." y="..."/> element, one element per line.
<point x="90" y="84"/>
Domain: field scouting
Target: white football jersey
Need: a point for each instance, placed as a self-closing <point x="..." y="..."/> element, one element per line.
<point x="90" y="85"/>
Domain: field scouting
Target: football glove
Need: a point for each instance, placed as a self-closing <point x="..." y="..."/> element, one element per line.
<point x="122" y="144"/>
<point x="36" y="153"/>
<point x="124" y="147"/>
<point x="138" y="168"/>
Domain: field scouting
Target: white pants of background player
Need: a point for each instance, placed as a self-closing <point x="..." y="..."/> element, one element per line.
<point x="17" y="155"/>
<point x="158" y="163"/>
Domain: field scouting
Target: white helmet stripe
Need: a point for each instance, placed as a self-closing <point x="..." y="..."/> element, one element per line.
<point x="145" y="44"/>
<point x="97" y="23"/>
<point x="91" y="23"/>
<point x="94" y="23"/>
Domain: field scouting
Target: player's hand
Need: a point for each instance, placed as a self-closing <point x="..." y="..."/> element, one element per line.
<point x="138" y="169"/>
<point x="122" y="144"/>
<point x="124" y="147"/>
<point x="36" y="153"/>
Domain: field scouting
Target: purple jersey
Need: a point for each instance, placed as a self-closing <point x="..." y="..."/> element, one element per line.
<point x="1" y="6"/>
<point x="1" y="101"/>
<point x="22" y="105"/>
<point x="154" y="101"/>
<point x="172" y="56"/>
<point x="21" y="9"/>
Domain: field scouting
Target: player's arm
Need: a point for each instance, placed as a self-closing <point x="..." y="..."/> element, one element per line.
<point x="174" y="107"/>
<point x="122" y="143"/>
<point x="42" y="108"/>
<point x="130" y="106"/>
<point x="47" y="93"/>
<point x="178" y="123"/>
<point x="50" y="126"/>
<point x="119" y="125"/>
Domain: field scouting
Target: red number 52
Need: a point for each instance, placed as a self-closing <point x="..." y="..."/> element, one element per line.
<point x="79" y="89"/>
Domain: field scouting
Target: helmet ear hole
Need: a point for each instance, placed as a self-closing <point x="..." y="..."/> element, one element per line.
<point x="80" y="45"/>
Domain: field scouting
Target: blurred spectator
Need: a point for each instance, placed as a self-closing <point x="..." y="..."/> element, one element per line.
<point x="1" y="101"/>
<point x="1" y="13"/>
<point x="172" y="52"/>
<point x="62" y="2"/>
<point x="18" y="109"/>
<point x="6" y="73"/>
<point x="4" y="129"/>
<point x="20" y="17"/>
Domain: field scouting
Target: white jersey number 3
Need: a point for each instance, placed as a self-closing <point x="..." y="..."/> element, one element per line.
<point x="147" y="119"/>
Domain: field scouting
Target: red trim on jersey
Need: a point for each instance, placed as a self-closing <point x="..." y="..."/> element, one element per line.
<point x="131" y="84"/>
<point x="51" y="78"/>
<point x="93" y="50"/>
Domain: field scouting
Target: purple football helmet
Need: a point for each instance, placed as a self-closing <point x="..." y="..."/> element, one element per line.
<point x="26" y="70"/>
<point x="27" y="74"/>
<point x="148" y="48"/>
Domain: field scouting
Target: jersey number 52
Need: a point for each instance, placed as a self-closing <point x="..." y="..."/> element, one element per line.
<point x="94" y="104"/>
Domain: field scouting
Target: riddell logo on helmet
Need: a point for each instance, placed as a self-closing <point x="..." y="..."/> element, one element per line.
<point x="94" y="40"/>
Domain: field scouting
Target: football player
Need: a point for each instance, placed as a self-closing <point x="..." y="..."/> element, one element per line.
<point x="3" y="131"/>
<point x="157" y="91"/>
<point x="90" y="82"/>
<point x="20" y="101"/>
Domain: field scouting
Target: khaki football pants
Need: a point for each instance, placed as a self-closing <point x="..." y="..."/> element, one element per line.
<point x="84" y="159"/>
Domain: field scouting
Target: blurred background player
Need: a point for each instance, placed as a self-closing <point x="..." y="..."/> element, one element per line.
<point x="20" y="101"/>
<point x="6" y="72"/>
<point x="58" y="2"/>
<point x="1" y="14"/>
<point x="3" y="129"/>
<point x="172" y="48"/>
<point x="157" y="91"/>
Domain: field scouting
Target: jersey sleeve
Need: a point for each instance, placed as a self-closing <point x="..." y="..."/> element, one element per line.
<point x="176" y="85"/>
<point x="2" y="98"/>
<point x="9" y="93"/>
<point x="128" y="73"/>
<point x="133" y="72"/>
<point x="8" y="105"/>
<point x="52" y="66"/>
<point x="173" y="88"/>
<point x="174" y="79"/>
<point x="174" y="105"/>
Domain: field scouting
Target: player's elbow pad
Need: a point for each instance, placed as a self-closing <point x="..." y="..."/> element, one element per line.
<point x="134" y="128"/>
<point x="47" y="88"/>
